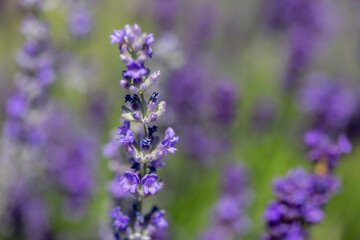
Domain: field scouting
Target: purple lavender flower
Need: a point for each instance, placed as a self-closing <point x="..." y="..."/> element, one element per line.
<point x="170" y="141"/>
<point x="323" y="187"/>
<point x="158" y="219"/>
<point x="129" y="182"/>
<point x="150" y="185"/>
<point x="118" y="37"/>
<point x="125" y="133"/>
<point x="121" y="220"/>
<point x="16" y="105"/>
<point x="135" y="70"/>
<point x="146" y="151"/>
<point x="332" y="103"/>
<point x="300" y="200"/>
<point x="295" y="188"/>
<point x="322" y="148"/>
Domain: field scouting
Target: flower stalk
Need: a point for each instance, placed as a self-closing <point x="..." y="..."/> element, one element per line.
<point x="145" y="150"/>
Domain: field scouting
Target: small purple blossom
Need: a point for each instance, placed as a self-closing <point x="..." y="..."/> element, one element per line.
<point x="331" y="102"/>
<point x="323" y="148"/>
<point x="16" y="105"/>
<point x="117" y="36"/>
<point x="158" y="219"/>
<point x="294" y="188"/>
<point x="129" y="182"/>
<point x="170" y="140"/>
<point x="125" y="133"/>
<point x="300" y="200"/>
<point x="121" y="220"/>
<point x="150" y="184"/>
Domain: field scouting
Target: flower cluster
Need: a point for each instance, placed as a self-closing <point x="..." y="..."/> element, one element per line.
<point x="134" y="49"/>
<point x="229" y="217"/>
<point x="146" y="151"/>
<point x="323" y="150"/>
<point x="333" y="104"/>
<point x="69" y="157"/>
<point x="301" y="196"/>
<point x="300" y="200"/>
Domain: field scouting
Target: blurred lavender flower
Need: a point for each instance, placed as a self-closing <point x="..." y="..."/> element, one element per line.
<point x="331" y="103"/>
<point x="300" y="200"/>
<point x="214" y="108"/>
<point x="26" y="215"/>
<point x="230" y="219"/>
<point x="323" y="149"/>
<point x="70" y="157"/>
<point x="121" y="220"/>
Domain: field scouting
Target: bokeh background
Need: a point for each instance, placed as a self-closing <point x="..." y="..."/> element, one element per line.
<point x="234" y="75"/>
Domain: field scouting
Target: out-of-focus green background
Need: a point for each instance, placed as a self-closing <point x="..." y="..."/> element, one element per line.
<point x="255" y="63"/>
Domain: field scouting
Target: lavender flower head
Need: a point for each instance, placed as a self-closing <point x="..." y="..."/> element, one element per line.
<point x="129" y="182"/>
<point x="300" y="200"/>
<point x="323" y="149"/>
<point x="331" y="103"/>
<point x="146" y="151"/>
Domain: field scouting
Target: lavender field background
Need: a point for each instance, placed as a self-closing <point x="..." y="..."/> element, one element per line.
<point x="243" y="81"/>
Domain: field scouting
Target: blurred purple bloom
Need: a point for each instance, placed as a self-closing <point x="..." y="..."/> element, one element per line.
<point x="274" y="211"/>
<point x="313" y="214"/>
<point x="158" y="219"/>
<point x="121" y="220"/>
<point x="295" y="188"/>
<point x="16" y="105"/>
<point x="322" y="148"/>
<point x="332" y="103"/>
<point x="117" y="36"/>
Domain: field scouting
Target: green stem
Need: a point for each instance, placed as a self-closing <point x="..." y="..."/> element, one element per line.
<point x="143" y="168"/>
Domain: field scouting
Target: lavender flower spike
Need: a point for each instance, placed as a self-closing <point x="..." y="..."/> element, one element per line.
<point x="150" y="184"/>
<point x="145" y="151"/>
<point x="129" y="182"/>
